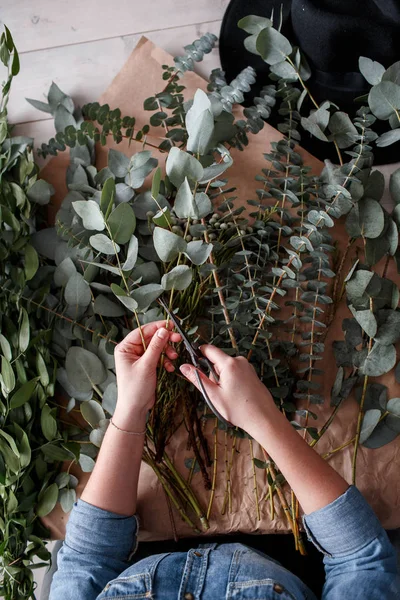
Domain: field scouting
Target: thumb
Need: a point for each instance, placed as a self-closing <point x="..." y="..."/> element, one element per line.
<point x="190" y="373"/>
<point x="155" y="348"/>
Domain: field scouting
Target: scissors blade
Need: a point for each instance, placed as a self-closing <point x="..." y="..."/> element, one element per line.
<point x="194" y="356"/>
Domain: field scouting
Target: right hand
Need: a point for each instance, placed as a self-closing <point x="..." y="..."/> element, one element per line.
<point x="239" y="395"/>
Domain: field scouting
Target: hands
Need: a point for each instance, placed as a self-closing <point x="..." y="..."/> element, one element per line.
<point x="137" y="372"/>
<point x="239" y="394"/>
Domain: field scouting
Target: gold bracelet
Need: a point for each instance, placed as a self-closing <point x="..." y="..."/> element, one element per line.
<point x="125" y="431"/>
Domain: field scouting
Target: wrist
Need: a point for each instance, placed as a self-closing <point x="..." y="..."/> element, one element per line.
<point x="269" y="419"/>
<point x="132" y="419"/>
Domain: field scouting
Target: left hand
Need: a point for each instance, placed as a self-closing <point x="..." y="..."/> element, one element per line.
<point x="136" y="370"/>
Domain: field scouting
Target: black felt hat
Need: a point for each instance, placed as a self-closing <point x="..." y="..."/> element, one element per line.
<point x="333" y="34"/>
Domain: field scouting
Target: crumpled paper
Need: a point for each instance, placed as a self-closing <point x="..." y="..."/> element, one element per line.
<point x="377" y="470"/>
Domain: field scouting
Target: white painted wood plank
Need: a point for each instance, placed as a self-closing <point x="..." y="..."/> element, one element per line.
<point x="49" y="23"/>
<point x="85" y="70"/>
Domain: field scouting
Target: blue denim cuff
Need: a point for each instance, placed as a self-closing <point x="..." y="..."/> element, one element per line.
<point x="96" y="531"/>
<point x="344" y="526"/>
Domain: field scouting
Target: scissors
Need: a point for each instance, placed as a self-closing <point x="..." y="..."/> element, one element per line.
<point x="198" y="361"/>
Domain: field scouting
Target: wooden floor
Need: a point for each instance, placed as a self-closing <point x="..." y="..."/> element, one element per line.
<point x="81" y="45"/>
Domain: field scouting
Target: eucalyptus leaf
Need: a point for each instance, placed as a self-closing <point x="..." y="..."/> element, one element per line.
<point x="84" y="369"/>
<point x="254" y="23"/>
<point x="146" y="294"/>
<point x="272" y="46"/>
<point x="371" y="218"/>
<point x="199" y="124"/>
<point x="67" y="498"/>
<point x="86" y="463"/>
<point x="92" y="412"/>
<point x="63" y="273"/>
<point x="180" y="164"/>
<point x="394" y="186"/>
<point x="121" y="223"/>
<point x="167" y="244"/>
<point x="343" y="131"/>
<point x="118" y="163"/>
<point x="371" y="69"/>
<point x="90" y="213"/>
<point x="380" y="360"/>
<point x="370" y="421"/>
<point x="110" y="396"/>
<point x="384" y="99"/>
<point x="103" y="244"/>
<point x="77" y="291"/>
<point x="185" y="206"/>
<point x="367" y="321"/>
<point x="198" y="252"/>
<point x="40" y="192"/>
<point x="381" y="436"/>
<point x="107" y="308"/>
<point x="179" y="278"/>
<point x="123" y="297"/>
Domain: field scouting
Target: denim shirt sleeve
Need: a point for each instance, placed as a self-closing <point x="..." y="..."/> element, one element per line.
<point x="97" y="548"/>
<point x="360" y="562"/>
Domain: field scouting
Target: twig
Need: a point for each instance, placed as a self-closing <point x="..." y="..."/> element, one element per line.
<point x="255" y="480"/>
<point x="215" y="466"/>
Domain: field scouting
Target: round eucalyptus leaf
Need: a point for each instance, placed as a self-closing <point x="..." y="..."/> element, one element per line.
<point x="92" y="412"/>
<point x="254" y="23"/>
<point x="103" y="244"/>
<point x="367" y="321"/>
<point x="343" y="131"/>
<point x="45" y="242"/>
<point x="370" y="421"/>
<point x="393" y="419"/>
<point x="123" y="193"/>
<point x="73" y="392"/>
<point x="199" y="124"/>
<point x="62" y="480"/>
<point x="144" y="203"/>
<point x="371" y="218"/>
<point x="272" y="46"/>
<point x="389" y="330"/>
<point x="107" y="308"/>
<point x="185" y="206"/>
<point x="381" y="436"/>
<point x="203" y="205"/>
<point x="394" y="186"/>
<point x="40" y="192"/>
<point x="122" y="223"/>
<point x="167" y="244"/>
<point x="84" y="369"/>
<point x="392" y="235"/>
<point x="63" y="273"/>
<point x="110" y="396"/>
<point x="179" y="278"/>
<point x="77" y="291"/>
<point x="67" y="499"/>
<point x="380" y="360"/>
<point x="86" y="463"/>
<point x="198" y="252"/>
<point x="96" y="436"/>
<point x="384" y="99"/>
<point x="392" y="73"/>
<point x="123" y="297"/>
<point x="284" y="70"/>
<point x="118" y="163"/>
<point x="371" y="69"/>
<point x="63" y="118"/>
<point x="180" y="164"/>
<point x="146" y="294"/>
<point x="90" y="213"/>
<point x="388" y="138"/>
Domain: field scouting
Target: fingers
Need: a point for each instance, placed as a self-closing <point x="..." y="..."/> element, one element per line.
<point x="132" y="344"/>
<point x="155" y="348"/>
<point x="190" y="373"/>
<point x="215" y="355"/>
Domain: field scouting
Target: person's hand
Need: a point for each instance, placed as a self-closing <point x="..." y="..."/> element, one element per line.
<point x="136" y="370"/>
<point x="239" y="395"/>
